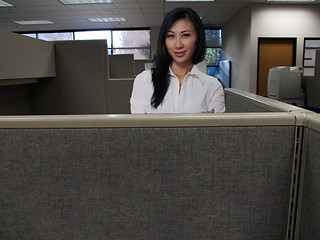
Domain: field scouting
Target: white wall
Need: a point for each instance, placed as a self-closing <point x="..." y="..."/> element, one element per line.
<point x="236" y="47"/>
<point x="267" y="20"/>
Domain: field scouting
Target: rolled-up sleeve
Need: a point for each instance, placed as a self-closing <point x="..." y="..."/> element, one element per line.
<point x="217" y="101"/>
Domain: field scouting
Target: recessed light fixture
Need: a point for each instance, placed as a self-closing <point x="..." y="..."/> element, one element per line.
<point x="5" y="4"/>
<point x="84" y="1"/>
<point x="290" y="0"/>
<point x="189" y="0"/>
<point x="99" y="20"/>
<point x="33" y="22"/>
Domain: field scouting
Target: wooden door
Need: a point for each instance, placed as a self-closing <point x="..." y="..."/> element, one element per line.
<point x="273" y="52"/>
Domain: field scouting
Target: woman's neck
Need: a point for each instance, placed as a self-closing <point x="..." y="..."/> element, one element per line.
<point x="181" y="71"/>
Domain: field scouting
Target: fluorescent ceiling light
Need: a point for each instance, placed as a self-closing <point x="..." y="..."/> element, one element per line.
<point x="189" y="0"/>
<point x="33" y="22"/>
<point x="84" y="1"/>
<point x="291" y="0"/>
<point x="5" y="4"/>
<point x="99" y="20"/>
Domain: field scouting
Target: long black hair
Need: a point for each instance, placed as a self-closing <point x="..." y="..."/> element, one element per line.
<point x="160" y="74"/>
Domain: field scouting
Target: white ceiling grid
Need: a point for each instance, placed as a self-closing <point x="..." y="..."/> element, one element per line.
<point x="138" y="13"/>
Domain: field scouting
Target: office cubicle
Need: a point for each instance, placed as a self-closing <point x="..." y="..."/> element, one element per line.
<point x="62" y="77"/>
<point x="233" y="175"/>
<point x="306" y="194"/>
<point x="200" y="176"/>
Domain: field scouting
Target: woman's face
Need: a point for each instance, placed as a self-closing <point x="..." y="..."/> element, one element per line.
<point x="181" y="42"/>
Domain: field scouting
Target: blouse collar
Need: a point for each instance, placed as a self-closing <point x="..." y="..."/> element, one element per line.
<point x="195" y="70"/>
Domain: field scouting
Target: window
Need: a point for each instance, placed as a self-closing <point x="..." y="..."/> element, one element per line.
<point x="95" y="35"/>
<point x="136" y="42"/>
<point x="213" y="51"/>
<point x="132" y="41"/>
<point x="91" y="35"/>
<point x="309" y="55"/>
<point x="56" y="36"/>
<point x="33" y="35"/>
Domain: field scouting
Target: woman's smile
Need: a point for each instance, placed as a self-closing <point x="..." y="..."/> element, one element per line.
<point x="180" y="54"/>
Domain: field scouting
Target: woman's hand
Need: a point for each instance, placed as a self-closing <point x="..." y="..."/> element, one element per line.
<point x="212" y="111"/>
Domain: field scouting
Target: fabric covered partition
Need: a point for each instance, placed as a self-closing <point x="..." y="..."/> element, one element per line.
<point x="121" y="66"/>
<point x="146" y="177"/>
<point x="310" y="193"/>
<point x="239" y="101"/>
<point x="119" y="95"/>
<point x="81" y="82"/>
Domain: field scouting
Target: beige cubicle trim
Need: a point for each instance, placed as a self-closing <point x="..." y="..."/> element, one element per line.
<point x="313" y="121"/>
<point x="266" y="103"/>
<point x="144" y="120"/>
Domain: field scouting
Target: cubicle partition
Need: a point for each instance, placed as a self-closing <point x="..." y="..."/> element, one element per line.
<point x="305" y="205"/>
<point x="62" y="77"/>
<point x="239" y="101"/>
<point x="309" y="211"/>
<point x="81" y="82"/>
<point x="206" y="176"/>
<point x="121" y="76"/>
<point x="23" y="60"/>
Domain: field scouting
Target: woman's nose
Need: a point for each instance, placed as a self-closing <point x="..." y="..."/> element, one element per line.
<point x="178" y="43"/>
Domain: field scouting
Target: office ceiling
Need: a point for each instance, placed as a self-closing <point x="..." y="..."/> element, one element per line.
<point x="138" y="13"/>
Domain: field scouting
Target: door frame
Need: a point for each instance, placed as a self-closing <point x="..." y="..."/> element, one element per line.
<point x="294" y="53"/>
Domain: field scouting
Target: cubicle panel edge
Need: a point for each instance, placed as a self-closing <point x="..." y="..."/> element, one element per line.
<point x="146" y="120"/>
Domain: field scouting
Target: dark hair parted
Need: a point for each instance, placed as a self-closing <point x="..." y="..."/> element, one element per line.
<point x="160" y="74"/>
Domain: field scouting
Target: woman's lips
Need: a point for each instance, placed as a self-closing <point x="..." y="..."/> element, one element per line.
<point x="180" y="54"/>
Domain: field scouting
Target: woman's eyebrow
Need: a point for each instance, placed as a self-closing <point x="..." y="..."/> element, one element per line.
<point x="186" y="31"/>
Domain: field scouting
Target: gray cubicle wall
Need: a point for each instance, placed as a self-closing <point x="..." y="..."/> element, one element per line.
<point x="146" y="176"/>
<point x="22" y="60"/>
<point x="81" y="82"/>
<point x="310" y="194"/>
<point x="25" y="57"/>
<point x="234" y="103"/>
<point x="121" y="66"/>
<point x="239" y="101"/>
<point x="14" y="100"/>
<point x="307" y="217"/>
<point x="119" y="95"/>
<point x="139" y="65"/>
<point x="121" y="77"/>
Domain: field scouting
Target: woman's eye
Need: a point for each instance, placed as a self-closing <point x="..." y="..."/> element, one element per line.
<point x="186" y="35"/>
<point x="170" y="36"/>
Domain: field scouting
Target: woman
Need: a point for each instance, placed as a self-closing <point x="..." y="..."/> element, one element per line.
<point x="176" y="85"/>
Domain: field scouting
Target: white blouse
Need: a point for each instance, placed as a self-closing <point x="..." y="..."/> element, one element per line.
<point x="199" y="93"/>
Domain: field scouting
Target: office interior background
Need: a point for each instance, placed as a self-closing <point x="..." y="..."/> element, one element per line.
<point x="234" y="29"/>
<point x="75" y="165"/>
